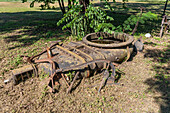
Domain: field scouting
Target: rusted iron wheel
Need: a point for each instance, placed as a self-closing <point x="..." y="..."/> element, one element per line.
<point x="125" y="38"/>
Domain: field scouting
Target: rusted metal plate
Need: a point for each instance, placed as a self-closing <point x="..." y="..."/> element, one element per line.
<point x="20" y="73"/>
<point x="22" y="70"/>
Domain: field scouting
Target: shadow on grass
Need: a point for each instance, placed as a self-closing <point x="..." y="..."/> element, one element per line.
<point x="161" y="82"/>
<point x="155" y="7"/>
<point x="150" y="26"/>
<point x="120" y="14"/>
<point x="34" y="25"/>
<point x="29" y="27"/>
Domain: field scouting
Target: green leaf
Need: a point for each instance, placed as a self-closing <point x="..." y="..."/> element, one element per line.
<point x="94" y="20"/>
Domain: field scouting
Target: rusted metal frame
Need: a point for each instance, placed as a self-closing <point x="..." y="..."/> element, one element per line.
<point x="27" y="74"/>
<point x="71" y="85"/>
<point x="128" y="53"/>
<point x="49" y="53"/>
<point x="74" y="55"/>
<point x="82" y="66"/>
<point x="34" y="69"/>
<point x="46" y="60"/>
<point x="166" y="25"/>
<point x="52" y="68"/>
<point x="22" y="77"/>
<point x="98" y="53"/>
<point x="30" y="59"/>
<point x="83" y="53"/>
<point x="52" y="81"/>
<point x="80" y="52"/>
<point x="70" y="49"/>
<point x="62" y="70"/>
<point x="104" y="80"/>
<point x="93" y="51"/>
<point x="53" y="64"/>
<point x="79" y="67"/>
<point x="83" y="45"/>
<point x="76" y="47"/>
<point x="44" y="50"/>
<point x="71" y="53"/>
<point x="62" y="74"/>
<point x="106" y="76"/>
<point x="162" y="25"/>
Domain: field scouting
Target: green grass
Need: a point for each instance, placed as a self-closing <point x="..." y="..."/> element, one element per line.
<point x="24" y="31"/>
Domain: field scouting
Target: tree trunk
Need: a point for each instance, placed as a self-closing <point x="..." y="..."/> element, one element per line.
<point x="62" y="2"/>
<point x="63" y="10"/>
<point x="69" y="4"/>
<point x="73" y="1"/>
<point x="85" y="3"/>
<point x="135" y="28"/>
<point x="165" y="7"/>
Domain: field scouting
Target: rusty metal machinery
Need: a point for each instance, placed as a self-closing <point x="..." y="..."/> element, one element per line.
<point x="97" y="51"/>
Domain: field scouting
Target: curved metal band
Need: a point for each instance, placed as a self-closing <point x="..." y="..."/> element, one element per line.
<point x="129" y="40"/>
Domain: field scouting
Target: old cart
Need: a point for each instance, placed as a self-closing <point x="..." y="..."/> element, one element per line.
<point x="96" y="52"/>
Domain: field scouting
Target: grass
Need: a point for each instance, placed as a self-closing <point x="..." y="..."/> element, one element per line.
<point x="26" y="35"/>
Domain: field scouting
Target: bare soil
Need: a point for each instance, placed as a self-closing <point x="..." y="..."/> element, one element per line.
<point x="142" y="88"/>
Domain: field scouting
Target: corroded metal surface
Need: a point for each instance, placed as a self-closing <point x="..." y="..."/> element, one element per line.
<point x="66" y="60"/>
<point x="83" y="57"/>
<point x="17" y="73"/>
<point x="125" y="38"/>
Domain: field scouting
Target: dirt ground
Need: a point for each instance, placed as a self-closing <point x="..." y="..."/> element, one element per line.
<point x="144" y="80"/>
<point x="144" y="87"/>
